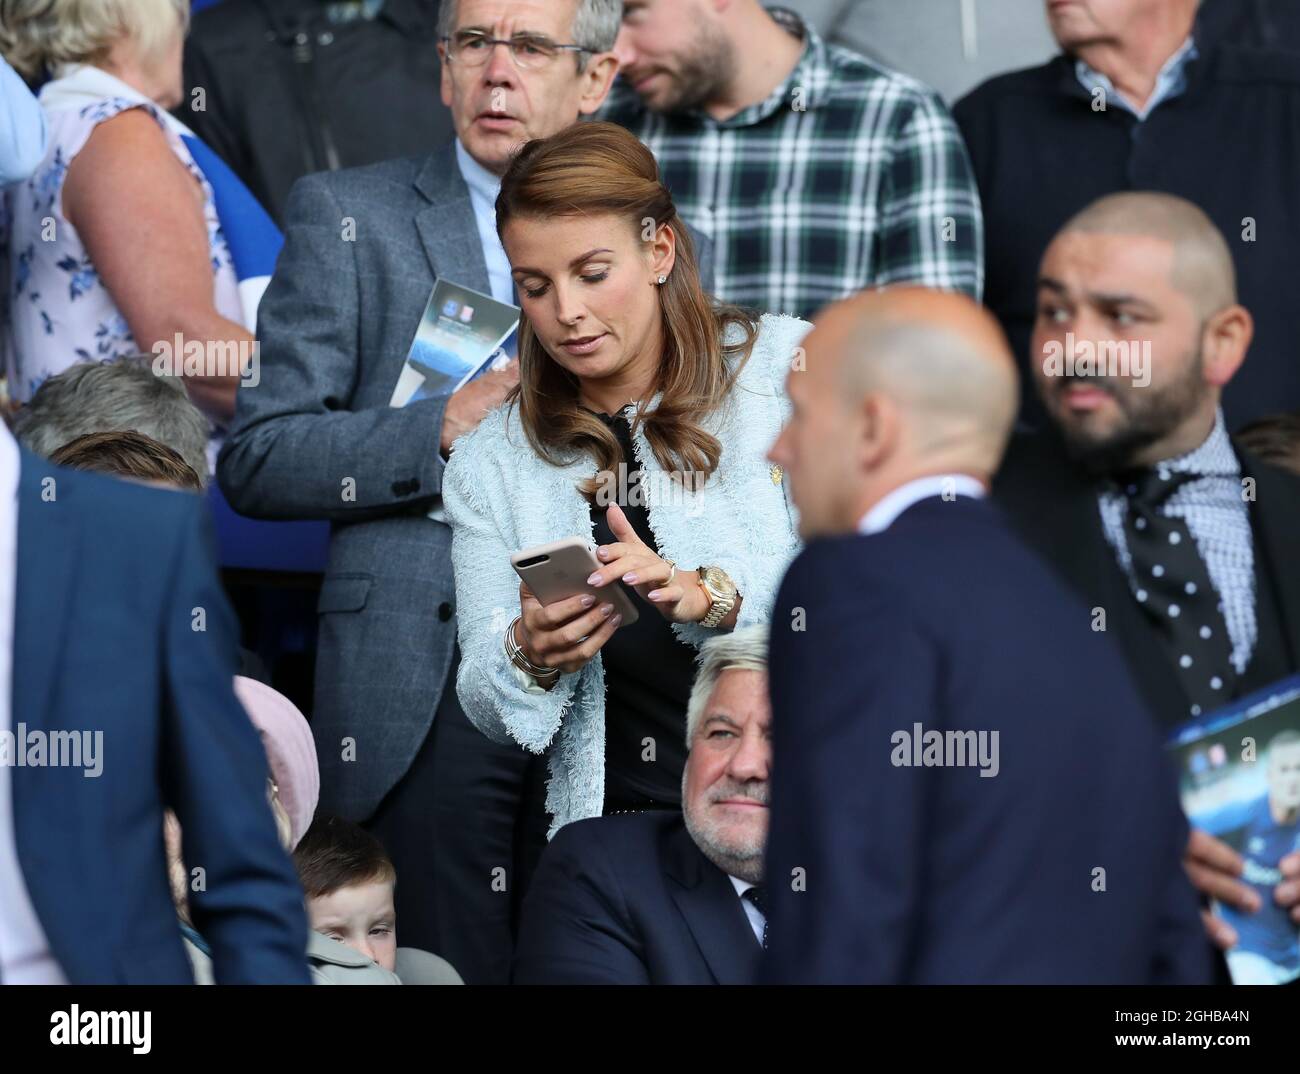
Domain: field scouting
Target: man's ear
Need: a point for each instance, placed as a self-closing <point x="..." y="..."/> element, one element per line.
<point x="445" y="78"/>
<point x="1224" y="343"/>
<point x="878" y="431"/>
<point x="597" y="78"/>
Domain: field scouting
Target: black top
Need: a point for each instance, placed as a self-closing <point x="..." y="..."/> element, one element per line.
<point x="648" y="674"/>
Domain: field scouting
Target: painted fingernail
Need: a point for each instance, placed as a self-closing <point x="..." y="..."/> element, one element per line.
<point x="587" y="600"/>
<point x="630" y="578"/>
<point x="616" y="620"/>
<point x="605" y="610"/>
<point x="654" y="594"/>
<point x="594" y="579"/>
<point x="603" y="553"/>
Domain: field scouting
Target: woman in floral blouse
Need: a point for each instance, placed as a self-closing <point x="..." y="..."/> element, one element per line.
<point x="114" y="241"/>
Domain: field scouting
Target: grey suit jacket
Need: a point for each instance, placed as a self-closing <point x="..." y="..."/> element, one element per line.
<point x="316" y="439"/>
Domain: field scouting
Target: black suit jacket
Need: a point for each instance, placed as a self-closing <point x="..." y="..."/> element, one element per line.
<point x="1053" y="505"/>
<point x="882" y="873"/>
<point x="631" y="900"/>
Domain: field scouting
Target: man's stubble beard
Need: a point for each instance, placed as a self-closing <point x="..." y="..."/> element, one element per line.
<point x="702" y="75"/>
<point x="1145" y="422"/>
<point x="744" y="866"/>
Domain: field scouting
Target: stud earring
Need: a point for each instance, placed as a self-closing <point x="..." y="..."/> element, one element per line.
<point x="663" y="280"/>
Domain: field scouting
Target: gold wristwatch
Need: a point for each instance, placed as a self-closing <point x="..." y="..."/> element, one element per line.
<point x="722" y="595"/>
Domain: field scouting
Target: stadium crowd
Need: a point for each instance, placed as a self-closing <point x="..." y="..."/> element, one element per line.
<point x="904" y="447"/>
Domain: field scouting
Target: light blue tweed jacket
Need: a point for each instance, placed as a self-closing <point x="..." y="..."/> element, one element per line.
<point x="500" y="497"/>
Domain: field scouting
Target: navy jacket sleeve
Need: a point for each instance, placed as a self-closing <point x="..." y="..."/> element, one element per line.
<point x="858" y="671"/>
<point x="215" y="772"/>
<point x="576" y="926"/>
<point x="1183" y="953"/>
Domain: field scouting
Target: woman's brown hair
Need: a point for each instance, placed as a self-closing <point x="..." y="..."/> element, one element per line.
<point x="596" y="169"/>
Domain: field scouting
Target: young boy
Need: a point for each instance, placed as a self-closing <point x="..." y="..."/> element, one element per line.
<point x="348" y="880"/>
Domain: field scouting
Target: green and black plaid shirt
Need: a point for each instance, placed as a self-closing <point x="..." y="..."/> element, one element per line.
<point x="847" y="176"/>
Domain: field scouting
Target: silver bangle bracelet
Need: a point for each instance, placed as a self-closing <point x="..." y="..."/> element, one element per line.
<point x="517" y="657"/>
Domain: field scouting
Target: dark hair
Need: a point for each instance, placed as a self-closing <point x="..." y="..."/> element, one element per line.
<point x="335" y="853"/>
<point x="599" y="168"/>
<point x="130" y="455"/>
<point x="1274" y="439"/>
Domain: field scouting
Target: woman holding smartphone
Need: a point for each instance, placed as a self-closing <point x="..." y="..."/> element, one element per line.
<point x="641" y="421"/>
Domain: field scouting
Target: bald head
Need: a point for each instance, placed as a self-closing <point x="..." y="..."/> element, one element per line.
<point x="897" y="384"/>
<point x="942" y="358"/>
<point x="1202" y="264"/>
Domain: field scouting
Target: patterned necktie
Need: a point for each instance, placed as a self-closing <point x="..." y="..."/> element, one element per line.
<point x="758" y="896"/>
<point x="1172" y="583"/>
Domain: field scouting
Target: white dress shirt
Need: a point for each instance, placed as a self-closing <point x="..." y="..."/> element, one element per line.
<point x="483" y="190"/>
<point x="894" y="503"/>
<point x="757" y="921"/>
<point x="24" y="952"/>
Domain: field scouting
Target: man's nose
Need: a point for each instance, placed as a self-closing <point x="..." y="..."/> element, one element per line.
<point x="776" y="453"/>
<point x="500" y="69"/>
<point x="624" y="51"/>
<point x="752" y="759"/>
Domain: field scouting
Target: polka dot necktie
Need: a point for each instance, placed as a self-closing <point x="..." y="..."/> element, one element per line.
<point x="758" y="896"/>
<point x="1172" y="583"/>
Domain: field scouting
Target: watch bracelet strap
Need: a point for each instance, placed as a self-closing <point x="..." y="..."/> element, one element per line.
<point x="718" y="610"/>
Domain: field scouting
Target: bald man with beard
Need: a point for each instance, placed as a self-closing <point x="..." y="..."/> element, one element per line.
<point x="1182" y="541"/>
<point x="949" y="806"/>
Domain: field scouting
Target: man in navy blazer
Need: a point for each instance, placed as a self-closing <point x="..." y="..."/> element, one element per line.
<point x="662" y="897"/>
<point x="117" y="652"/>
<point x="970" y="790"/>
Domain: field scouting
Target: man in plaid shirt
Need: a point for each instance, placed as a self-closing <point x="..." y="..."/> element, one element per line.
<point x="815" y="172"/>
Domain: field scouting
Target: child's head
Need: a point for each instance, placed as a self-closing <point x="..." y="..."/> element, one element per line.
<point x="349" y="881"/>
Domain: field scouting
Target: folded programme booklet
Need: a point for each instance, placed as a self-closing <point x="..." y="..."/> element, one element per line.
<point x="462" y="335"/>
<point x="1239" y="780"/>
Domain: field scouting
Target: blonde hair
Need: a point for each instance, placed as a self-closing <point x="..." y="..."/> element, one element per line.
<point x="739" y="650"/>
<point x="42" y="35"/>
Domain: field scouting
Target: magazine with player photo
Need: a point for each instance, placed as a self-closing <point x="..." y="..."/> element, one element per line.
<point x="462" y="335"/>
<point x="1239" y="780"/>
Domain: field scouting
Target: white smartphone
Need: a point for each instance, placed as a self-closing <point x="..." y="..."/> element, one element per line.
<point x="559" y="570"/>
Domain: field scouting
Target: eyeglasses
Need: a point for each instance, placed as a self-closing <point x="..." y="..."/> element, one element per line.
<point x="470" y="48"/>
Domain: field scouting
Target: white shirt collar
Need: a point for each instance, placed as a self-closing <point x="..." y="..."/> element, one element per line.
<point x="741" y="886"/>
<point x="894" y="503"/>
<point x="481" y="181"/>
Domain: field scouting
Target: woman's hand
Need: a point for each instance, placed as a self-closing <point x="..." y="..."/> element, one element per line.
<point x="631" y="560"/>
<point x="566" y="634"/>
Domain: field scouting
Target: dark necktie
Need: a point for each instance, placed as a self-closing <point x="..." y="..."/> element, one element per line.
<point x="758" y="896"/>
<point x="1172" y="583"/>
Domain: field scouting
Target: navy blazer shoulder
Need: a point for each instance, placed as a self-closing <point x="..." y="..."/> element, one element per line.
<point x="630" y="899"/>
<point x="123" y="634"/>
<point x="981" y="869"/>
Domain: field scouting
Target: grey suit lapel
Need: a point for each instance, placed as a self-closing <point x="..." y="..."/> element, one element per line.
<point x="447" y="227"/>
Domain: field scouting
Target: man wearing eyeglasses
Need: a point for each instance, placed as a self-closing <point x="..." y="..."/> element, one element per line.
<point x="317" y="439"/>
